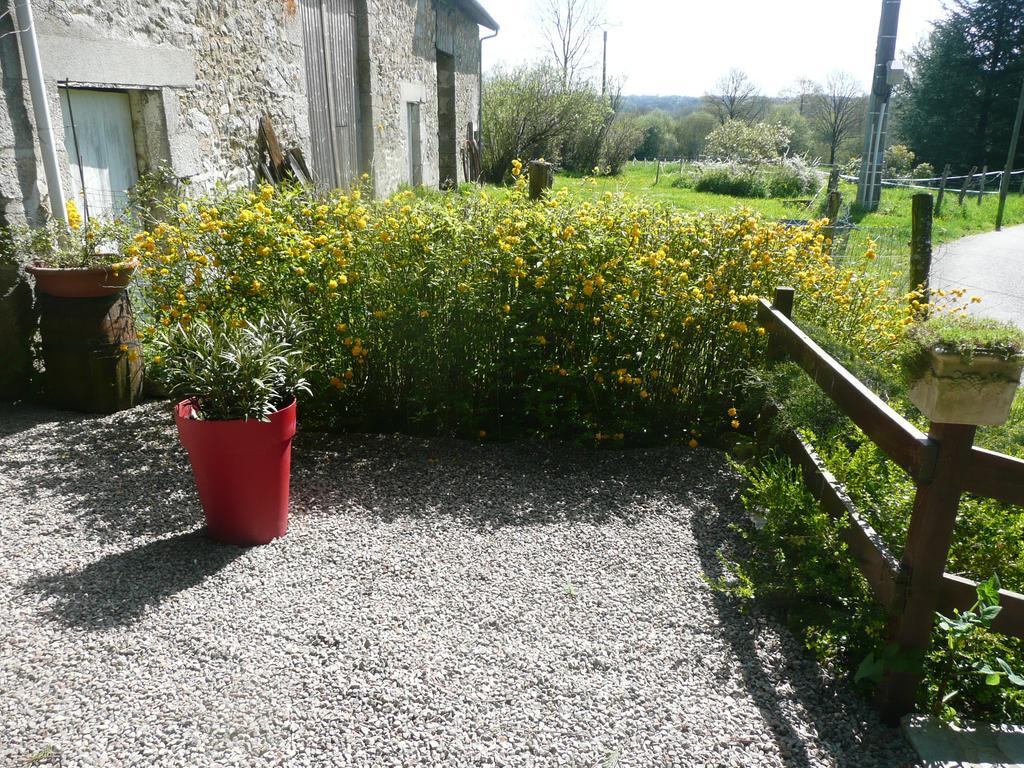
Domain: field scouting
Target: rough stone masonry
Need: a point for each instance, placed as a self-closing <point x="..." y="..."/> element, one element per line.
<point x="199" y="74"/>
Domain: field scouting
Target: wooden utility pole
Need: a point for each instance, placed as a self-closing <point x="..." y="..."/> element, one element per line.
<point x="1004" y="184"/>
<point x="604" y="65"/>
<point x="884" y="77"/>
<point x="921" y="242"/>
<point x="942" y="190"/>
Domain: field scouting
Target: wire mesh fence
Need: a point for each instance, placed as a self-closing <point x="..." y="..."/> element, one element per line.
<point x="882" y="252"/>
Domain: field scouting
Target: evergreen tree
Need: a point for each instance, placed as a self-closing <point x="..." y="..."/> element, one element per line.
<point x="958" y="104"/>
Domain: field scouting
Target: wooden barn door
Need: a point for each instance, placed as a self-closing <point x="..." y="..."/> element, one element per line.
<point x="329" y="37"/>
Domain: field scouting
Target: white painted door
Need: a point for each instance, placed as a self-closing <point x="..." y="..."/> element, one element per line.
<point x="100" y="143"/>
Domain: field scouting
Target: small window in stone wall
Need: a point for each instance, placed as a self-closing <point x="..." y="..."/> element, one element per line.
<point x="100" y="143"/>
<point x="111" y="137"/>
<point x="415" y="144"/>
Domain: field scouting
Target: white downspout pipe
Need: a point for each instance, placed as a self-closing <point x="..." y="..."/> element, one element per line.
<point x="40" y="105"/>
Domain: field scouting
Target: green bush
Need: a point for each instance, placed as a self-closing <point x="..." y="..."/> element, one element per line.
<point x="789" y="178"/>
<point x="532" y="113"/>
<point x="739" y="141"/>
<point x="795" y="560"/>
<point x="733" y="180"/>
<point x="457" y="314"/>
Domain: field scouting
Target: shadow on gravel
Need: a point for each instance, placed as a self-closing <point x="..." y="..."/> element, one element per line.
<point x="490" y="485"/>
<point x="118" y="589"/>
<point x="121" y="475"/>
<point x="15" y="418"/>
<point x="844" y="725"/>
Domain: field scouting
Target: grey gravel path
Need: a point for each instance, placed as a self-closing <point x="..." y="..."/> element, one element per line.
<point x="989" y="265"/>
<point x="435" y="603"/>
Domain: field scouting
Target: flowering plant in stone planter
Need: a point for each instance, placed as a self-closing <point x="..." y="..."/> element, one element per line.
<point x="237" y="385"/>
<point x="964" y="370"/>
<point x="76" y="259"/>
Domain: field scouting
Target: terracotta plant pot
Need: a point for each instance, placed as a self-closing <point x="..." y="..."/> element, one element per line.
<point x="955" y="390"/>
<point x="82" y="283"/>
<point x="242" y="471"/>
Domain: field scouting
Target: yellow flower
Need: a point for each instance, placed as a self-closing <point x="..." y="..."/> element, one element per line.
<point x="74" y="217"/>
<point x="693" y="442"/>
<point x="732" y="412"/>
<point x="735" y="424"/>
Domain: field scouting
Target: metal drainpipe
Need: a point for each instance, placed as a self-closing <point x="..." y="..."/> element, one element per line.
<point x="480" y="102"/>
<point x="40" y="105"/>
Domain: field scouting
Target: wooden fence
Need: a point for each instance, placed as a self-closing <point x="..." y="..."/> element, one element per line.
<point x="943" y="464"/>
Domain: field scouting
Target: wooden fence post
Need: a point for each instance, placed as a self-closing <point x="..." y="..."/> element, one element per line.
<point x="923" y="563"/>
<point x="835" y="202"/>
<point x="657" y="177"/>
<point x="981" y="183"/>
<point x="541" y="178"/>
<point x="942" y="190"/>
<point x="1022" y="183"/>
<point x="921" y="242"/>
<point x="967" y="180"/>
<point x="833" y="180"/>
<point x="783" y="302"/>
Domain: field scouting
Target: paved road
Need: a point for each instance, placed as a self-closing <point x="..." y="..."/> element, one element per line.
<point x="989" y="265"/>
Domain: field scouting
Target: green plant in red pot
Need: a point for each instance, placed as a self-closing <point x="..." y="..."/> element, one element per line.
<point x="77" y="259"/>
<point x="236" y="386"/>
<point x="90" y="348"/>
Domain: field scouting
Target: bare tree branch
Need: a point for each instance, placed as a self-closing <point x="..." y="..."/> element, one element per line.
<point x="837" y="110"/>
<point x="735" y="97"/>
<point x="570" y="27"/>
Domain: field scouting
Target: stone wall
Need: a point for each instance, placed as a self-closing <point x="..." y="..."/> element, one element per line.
<point x="200" y="73"/>
<point x="403" y="68"/>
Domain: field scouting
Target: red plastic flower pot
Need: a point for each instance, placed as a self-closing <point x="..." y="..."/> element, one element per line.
<point x="242" y="471"/>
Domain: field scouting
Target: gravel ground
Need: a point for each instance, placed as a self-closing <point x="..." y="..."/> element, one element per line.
<point x="435" y="603"/>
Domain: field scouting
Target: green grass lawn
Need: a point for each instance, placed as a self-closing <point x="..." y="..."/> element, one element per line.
<point x="892" y="217"/>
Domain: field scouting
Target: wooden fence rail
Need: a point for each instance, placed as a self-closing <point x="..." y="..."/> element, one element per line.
<point x="943" y="465"/>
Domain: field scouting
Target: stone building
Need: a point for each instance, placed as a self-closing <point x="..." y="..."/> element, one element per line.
<point x="383" y="87"/>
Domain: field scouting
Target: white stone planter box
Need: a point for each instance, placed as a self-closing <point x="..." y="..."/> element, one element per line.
<point x="957" y="391"/>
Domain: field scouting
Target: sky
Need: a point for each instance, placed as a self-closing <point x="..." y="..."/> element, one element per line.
<point x="682" y="47"/>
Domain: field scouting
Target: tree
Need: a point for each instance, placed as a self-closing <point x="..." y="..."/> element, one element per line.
<point x="837" y="111"/>
<point x="803" y="90"/>
<point x="569" y="27"/>
<point x="620" y="141"/>
<point x="801" y="141"/>
<point x="735" y="97"/>
<point x="957" y="105"/>
<point x="692" y="131"/>
<point x="659" y="139"/>
<point x="738" y="141"/>
<point x="527" y="115"/>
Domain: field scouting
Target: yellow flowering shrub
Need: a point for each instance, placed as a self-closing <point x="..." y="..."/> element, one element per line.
<point x="486" y="312"/>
